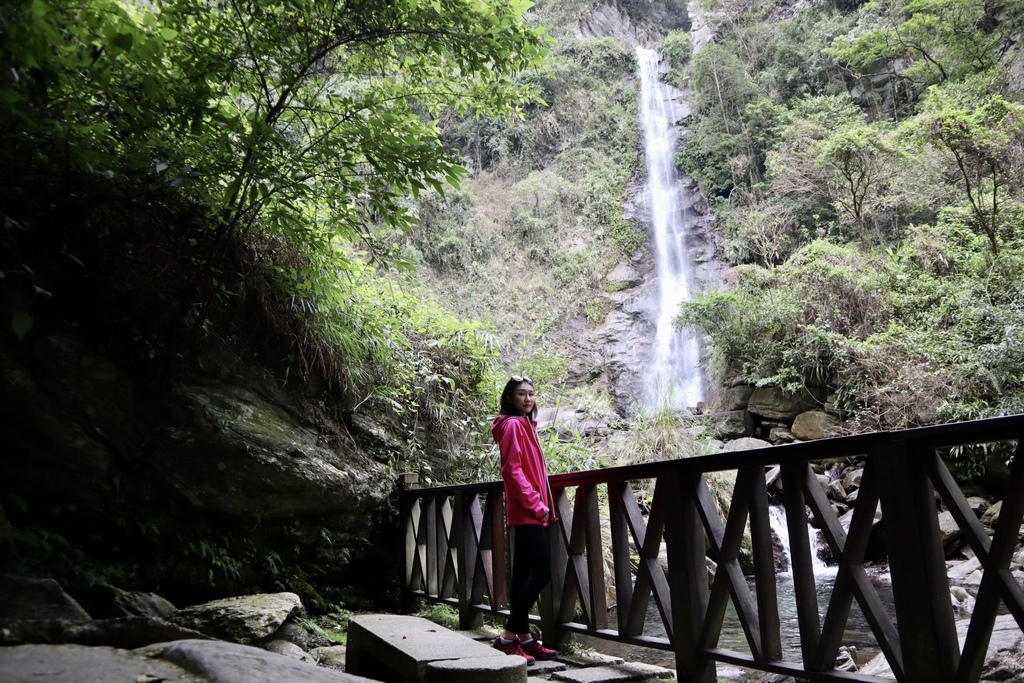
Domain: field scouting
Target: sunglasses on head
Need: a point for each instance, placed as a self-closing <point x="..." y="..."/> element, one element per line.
<point x="522" y="378"/>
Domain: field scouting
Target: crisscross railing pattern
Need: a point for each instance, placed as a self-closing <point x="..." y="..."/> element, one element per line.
<point x="456" y="553"/>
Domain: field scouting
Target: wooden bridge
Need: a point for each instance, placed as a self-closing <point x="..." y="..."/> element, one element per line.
<point x="456" y="554"/>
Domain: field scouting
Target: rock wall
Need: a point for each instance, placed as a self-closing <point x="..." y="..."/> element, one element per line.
<point x="202" y="483"/>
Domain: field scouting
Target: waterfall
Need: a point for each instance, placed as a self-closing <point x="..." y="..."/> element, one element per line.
<point x="673" y="376"/>
<point x="777" y="521"/>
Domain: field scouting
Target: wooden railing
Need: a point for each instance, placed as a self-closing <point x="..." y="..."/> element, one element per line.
<point x="456" y="554"/>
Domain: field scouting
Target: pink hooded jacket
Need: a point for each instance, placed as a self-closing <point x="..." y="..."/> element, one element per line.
<point x="527" y="492"/>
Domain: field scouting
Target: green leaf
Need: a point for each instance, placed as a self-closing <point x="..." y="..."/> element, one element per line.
<point x="21" y="323"/>
<point x="123" y="41"/>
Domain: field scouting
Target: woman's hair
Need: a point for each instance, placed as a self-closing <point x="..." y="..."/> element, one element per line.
<point x="507" y="407"/>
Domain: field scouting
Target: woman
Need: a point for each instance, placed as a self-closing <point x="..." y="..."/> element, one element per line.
<point x="529" y="510"/>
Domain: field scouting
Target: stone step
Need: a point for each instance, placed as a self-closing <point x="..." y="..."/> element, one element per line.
<point x="544" y="668"/>
<point x="389" y="646"/>
<point x="589" y="659"/>
<point x="615" y="673"/>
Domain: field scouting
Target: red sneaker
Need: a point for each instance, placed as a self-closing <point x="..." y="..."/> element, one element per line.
<point x="536" y="649"/>
<point x="512" y="648"/>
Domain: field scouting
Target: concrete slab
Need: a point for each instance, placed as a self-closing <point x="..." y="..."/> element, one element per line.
<point x="398" y="647"/>
<point x="590" y="659"/>
<point x="545" y="667"/>
<point x="503" y="669"/>
<point x="182" y="661"/>
<point x="632" y="671"/>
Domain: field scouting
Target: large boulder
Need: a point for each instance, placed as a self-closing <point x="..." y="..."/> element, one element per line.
<point x="245" y="619"/>
<point x="217" y="460"/>
<point x="775" y="404"/>
<point x="745" y="444"/>
<point x="991" y="516"/>
<point x="737" y="397"/>
<point x="27" y="599"/>
<point x="815" y="424"/>
<point x="732" y="424"/>
<point x="950" y="533"/>
<point x="1004" y="660"/>
<point x="233" y="453"/>
<point x="103" y="601"/>
<point x="39" y="611"/>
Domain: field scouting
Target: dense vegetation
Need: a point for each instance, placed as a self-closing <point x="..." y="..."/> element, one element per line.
<point x="403" y="196"/>
<point x="183" y="170"/>
<point x="866" y="166"/>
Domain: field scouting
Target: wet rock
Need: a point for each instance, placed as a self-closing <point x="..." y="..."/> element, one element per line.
<point x="606" y="20"/>
<point x="103" y="601"/>
<point x="288" y="649"/>
<point x="732" y="424"/>
<point x="958" y="571"/>
<point x="737" y="397"/>
<point x="962" y="601"/>
<point x="373" y="434"/>
<point x="246" y="619"/>
<point x="122" y="632"/>
<point x="978" y="504"/>
<point x="293" y="633"/>
<point x="991" y="516"/>
<point x="835" y="490"/>
<point x="815" y="424"/>
<point x="331" y="656"/>
<point x="23" y="599"/>
<point x="745" y="444"/>
<point x="775" y="404"/>
<point x="247" y="458"/>
<point x="949" y="533"/>
<point x="232" y="663"/>
<point x="1004" y="646"/>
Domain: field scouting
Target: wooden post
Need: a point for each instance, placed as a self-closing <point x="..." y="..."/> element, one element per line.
<point x="996" y="576"/>
<point x="688" y="574"/>
<point x="924" y="615"/>
<point x="406" y="505"/>
<point x="764" y="571"/>
<point x="793" y="477"/>
<point x="551" y="596"/>
<point x="621" y="554"/>
<point x="466" y="549"/>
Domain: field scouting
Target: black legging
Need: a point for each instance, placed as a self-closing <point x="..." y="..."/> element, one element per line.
<point x="531" y="571"/>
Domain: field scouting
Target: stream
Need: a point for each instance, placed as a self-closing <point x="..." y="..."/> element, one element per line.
<point x="858" y="633"/>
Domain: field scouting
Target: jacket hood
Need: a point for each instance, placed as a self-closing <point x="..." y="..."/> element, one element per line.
<point x="501" y="420"/>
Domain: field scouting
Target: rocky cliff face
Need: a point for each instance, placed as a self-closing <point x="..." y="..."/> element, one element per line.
<point x="219" y="472"/>
<point x="623" y="344"/>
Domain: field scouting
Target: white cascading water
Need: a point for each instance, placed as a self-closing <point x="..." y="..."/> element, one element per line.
<point x="673" y="377"/>
<point x="777" y="521"/>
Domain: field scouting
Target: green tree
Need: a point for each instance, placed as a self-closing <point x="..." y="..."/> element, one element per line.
<point x="858" y="164"/>
<point x="294" y="133"/>
<point x="983" y="136"/>
<point x="297" y="118"/>
<point x="722" y="91"/>
<point x="930" y="41"/>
